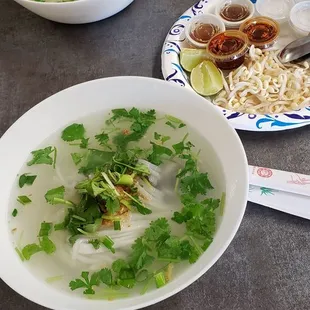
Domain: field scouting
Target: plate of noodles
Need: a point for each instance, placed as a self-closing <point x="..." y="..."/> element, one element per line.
<point x="257" y="94"/>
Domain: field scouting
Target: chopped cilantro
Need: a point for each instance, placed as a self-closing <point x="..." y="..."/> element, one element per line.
<point x="77" y="158"/>
<point x="119" y="264"/>
<point x="56" y="196"/>
<point x="96" y="160"/>
<point x="182" y="146"/>
<point x="23" y="200"/>
<point x="73" y="132"/>
<point x="139" y="256"/>
<point x="85" y="282"/>
<point x="157" y="136"/>
<point x="84" y="143"/>
<point x="171" y="125"/>
<point x="14" y="213"/>
<point x="112" y="205"/>
<point x="26" y="179"/>
<point x="103" y="241"/>
<point x="141" y="121"/>
<point x="45" y="244"/>
<point x="161" y="138"/>
<point x="158" y="151"/>
<point x="136" y="202"/>
<point x="42" y="156"/>
<point x="174" y="122"/>
<point x="196" y="183"/>
<point x="105" y="276"/>
<point x="103" y="139"/>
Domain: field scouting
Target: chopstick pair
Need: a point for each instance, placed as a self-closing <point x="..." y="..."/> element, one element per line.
<point x="281" y="190"/>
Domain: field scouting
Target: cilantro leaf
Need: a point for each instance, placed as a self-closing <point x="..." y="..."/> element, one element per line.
<point x="170" y="248"/>
<point x="96" y="160"/>
<point x="73" y="132"/>
<point x="26" y="179"/>
<point x="203" y="224"/>
<point x="103" y="139"/>
<point x="190" y="165"/>
<point x="139" y="256"/>
<point x="119" y="264"/>
<point x="14" y="213"/>
<point x="42" y="156"/>
<point x="105" y="276"/>
<point x="23" y="200"/>
<point x="112" y="205"/>
<point x="126" y="278"/>
<point x="171" y="125"/>
<point x="161" y="138"/>
<point x="141" y="121"/>
<point x="84" y="143"/>
<point x="157" y="230"/>
<point x="30" y="250"/>
<point x="47" y="245"/>
<point x="196" y="183"/>
<point x="85" y="283"/>
<point x="182" y="146"/>
<point x="55" y="195"/>
<point x="77" y="158"/>
<point x="188" y="252"/>
<point x="91" y="228"/>
<point x="117" y="114"/>
<point x="173" y="119"/>
<point x="157" y="152"/>
<point x="157" y="136"/>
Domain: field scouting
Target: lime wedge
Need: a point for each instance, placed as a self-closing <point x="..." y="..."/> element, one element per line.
<point x="206" y="79"/>
<point x="190" y="58"/>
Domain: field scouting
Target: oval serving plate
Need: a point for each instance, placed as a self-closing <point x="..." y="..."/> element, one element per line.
<point x="173" y="72"/>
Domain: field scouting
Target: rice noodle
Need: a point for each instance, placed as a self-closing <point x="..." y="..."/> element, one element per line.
<point x="264" y="85"/>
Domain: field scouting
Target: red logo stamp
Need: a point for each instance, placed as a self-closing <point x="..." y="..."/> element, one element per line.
<point x="264" y="172"/>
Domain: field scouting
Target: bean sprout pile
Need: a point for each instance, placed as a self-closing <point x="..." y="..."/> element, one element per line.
<point x="264" y="85"/>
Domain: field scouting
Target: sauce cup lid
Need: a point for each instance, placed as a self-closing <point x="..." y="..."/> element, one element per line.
<point x="300" y="16"/>
<point x="275" y="9"/>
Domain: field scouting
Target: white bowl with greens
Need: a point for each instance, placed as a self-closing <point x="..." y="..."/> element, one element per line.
<point x="74" y="11"/>
<point x="117" y="193"/>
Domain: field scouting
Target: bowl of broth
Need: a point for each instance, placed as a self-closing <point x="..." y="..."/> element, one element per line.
<point x="117" y="199"/>
<point x="75" y="11"/>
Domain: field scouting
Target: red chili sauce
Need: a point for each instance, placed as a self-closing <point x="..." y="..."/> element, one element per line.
<point x="260" y="32"/>
<point x="224" y="45"/>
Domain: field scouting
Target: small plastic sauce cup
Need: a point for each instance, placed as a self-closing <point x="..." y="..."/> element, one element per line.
<point x="261" y="31"/>
<point x="300" y="18"/>
<point x="228" y="49"/>
<point x="202" y="28"/>
<point x="234" y="12"/>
